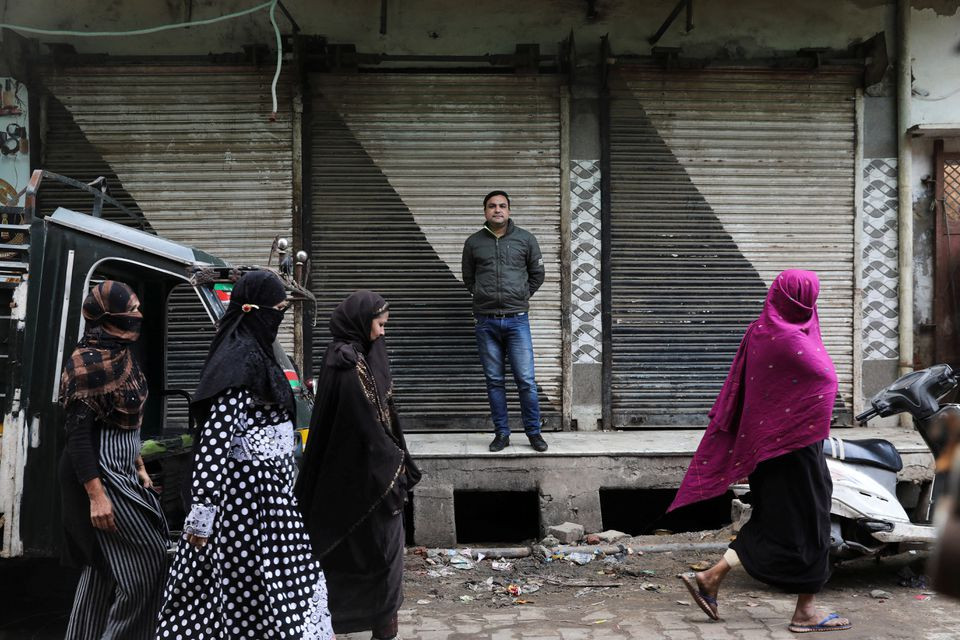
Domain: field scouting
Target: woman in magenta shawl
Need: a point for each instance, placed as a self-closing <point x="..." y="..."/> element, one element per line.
<point x="768" y="424"/>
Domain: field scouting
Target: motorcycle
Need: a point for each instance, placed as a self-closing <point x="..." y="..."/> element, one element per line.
<point x="866" y="517"/>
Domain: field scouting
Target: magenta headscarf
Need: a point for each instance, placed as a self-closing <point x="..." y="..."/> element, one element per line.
<point x="778" y="396"/>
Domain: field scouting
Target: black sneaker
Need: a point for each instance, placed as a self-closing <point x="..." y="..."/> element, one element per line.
<point x="501" y="441"/>
<point x="538" y="443"/>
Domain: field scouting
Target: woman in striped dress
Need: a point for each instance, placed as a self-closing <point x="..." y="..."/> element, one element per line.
<point x="245" y="568"/>
<point x="113" y="525"/>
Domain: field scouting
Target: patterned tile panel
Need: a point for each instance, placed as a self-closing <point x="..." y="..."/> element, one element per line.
<point x="585" y="263"/>
<point x="880" y="271"/>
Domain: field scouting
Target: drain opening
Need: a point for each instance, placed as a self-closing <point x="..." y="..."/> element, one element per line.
<point x="642" y="511"/>
<point x="496" y="516"/>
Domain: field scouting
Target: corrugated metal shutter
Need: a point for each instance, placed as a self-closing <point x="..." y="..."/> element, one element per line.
<point x="189" y="333"/>
<point x="720" y="179"/>
<point x="188" y="147"/>
<point x="401" y="163"/>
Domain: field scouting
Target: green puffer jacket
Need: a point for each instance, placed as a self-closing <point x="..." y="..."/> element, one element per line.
<point x="502" y="273"/>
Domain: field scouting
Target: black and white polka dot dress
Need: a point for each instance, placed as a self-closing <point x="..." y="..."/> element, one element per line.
<point x="256" y="576"/>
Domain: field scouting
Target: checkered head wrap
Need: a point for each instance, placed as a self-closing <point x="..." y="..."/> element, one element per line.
<point x="102" y="372"/>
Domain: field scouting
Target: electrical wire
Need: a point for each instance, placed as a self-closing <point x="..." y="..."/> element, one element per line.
<point x="270" y="4"/>
<point x="138" y="32"/>
<point x="276" y="74"/>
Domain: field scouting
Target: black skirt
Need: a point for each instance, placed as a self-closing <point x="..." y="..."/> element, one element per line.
<point x="365" y="573"/>
<point x="786" y="542"/>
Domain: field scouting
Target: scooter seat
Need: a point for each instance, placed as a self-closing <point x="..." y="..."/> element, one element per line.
<point x="872" y="452"/>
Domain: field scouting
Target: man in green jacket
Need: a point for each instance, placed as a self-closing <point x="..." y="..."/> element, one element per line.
<point x="502" y="268"/>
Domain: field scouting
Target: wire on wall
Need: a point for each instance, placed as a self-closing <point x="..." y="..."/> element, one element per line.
<point x="270" y="4"/>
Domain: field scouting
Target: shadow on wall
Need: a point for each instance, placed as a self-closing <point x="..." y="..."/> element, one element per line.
<point x="68" y="152"/>
<point x="682" y="291"/>
<point x="438" y="380"/>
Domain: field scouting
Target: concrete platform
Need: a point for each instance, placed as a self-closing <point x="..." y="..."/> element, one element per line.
<point x="569" y="476"/>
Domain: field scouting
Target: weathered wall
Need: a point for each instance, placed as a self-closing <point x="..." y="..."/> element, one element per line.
<point x="935" y="36"/>
<point x="749" y="28"/>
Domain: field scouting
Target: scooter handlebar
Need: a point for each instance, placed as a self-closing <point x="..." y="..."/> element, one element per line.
<point x="866" y="415"/>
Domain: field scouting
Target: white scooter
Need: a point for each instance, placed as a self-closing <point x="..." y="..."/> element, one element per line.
<point x="866" y="516"/>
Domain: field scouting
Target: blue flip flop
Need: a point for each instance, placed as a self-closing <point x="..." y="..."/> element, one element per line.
<point x="820" y="626"/>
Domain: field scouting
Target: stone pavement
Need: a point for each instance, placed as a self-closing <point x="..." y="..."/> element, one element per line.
<point x="750" y="611"/>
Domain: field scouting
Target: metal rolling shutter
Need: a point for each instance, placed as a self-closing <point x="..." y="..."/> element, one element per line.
<point x="720" y="179"/>
<point x="401" y="163"/>
<point x="189" y="333"/>
<point x="188" y="147"/>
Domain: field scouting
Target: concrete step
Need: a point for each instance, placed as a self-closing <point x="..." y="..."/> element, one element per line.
<point x="569" y="476"/>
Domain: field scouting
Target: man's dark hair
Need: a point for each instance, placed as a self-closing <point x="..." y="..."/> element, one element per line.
<point x="495" y="193"/>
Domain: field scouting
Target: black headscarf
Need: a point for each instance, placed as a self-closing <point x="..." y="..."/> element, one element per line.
<point x="101" y="371"/>
<point x="241" y="354"/>
<point x="356" y="462"/>
<point x="350" y="325"/>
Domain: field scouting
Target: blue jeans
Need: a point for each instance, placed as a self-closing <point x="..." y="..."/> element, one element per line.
<point x="497" y="340"/>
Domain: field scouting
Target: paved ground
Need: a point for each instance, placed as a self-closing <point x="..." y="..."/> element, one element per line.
<point x="653" y="604"/>
<point x="569" y="602"/>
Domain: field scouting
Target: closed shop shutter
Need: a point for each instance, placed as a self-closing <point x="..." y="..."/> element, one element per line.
<point x="191" y="149"/>
<point x="189" y="333"/>
<point x="720" y="179"/>
<point x="400" y="165"/>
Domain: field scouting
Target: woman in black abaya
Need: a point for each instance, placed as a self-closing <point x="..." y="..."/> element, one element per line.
<point x="356" y="473"/>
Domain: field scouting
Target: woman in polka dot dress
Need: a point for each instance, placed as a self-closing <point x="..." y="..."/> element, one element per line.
<point x="245" y="568"/>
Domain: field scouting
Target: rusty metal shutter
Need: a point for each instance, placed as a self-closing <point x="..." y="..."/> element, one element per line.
<point x="191" y="149"/>
<point x="720" y="179"/>
<point x="401" y="163"/>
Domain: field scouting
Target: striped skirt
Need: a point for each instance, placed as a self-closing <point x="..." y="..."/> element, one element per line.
<point x="121" y="598"/>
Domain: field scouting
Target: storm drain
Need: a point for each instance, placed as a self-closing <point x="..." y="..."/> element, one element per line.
<point x="643" y="511"/>
<point x="496" y="516"/>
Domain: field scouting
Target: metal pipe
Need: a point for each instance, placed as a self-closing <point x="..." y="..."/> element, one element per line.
<point x="858" y="260"/>
<point x="301" y="235"/>
<point x="905" y="195"/>
<point x="668" y="547"/>
<point x="606" y="303"/>
<point x="605" y="549"/>
<point x="566" y="338"/>
<point x="306" y="202"/>
<point x="300" y="241"/>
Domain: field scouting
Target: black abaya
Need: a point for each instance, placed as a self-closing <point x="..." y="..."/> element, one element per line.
<point x="786" y="542"/>
<point x="356" y="474"/>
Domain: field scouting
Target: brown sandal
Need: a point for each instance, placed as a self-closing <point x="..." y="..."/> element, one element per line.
<point x="708" y="604"/>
